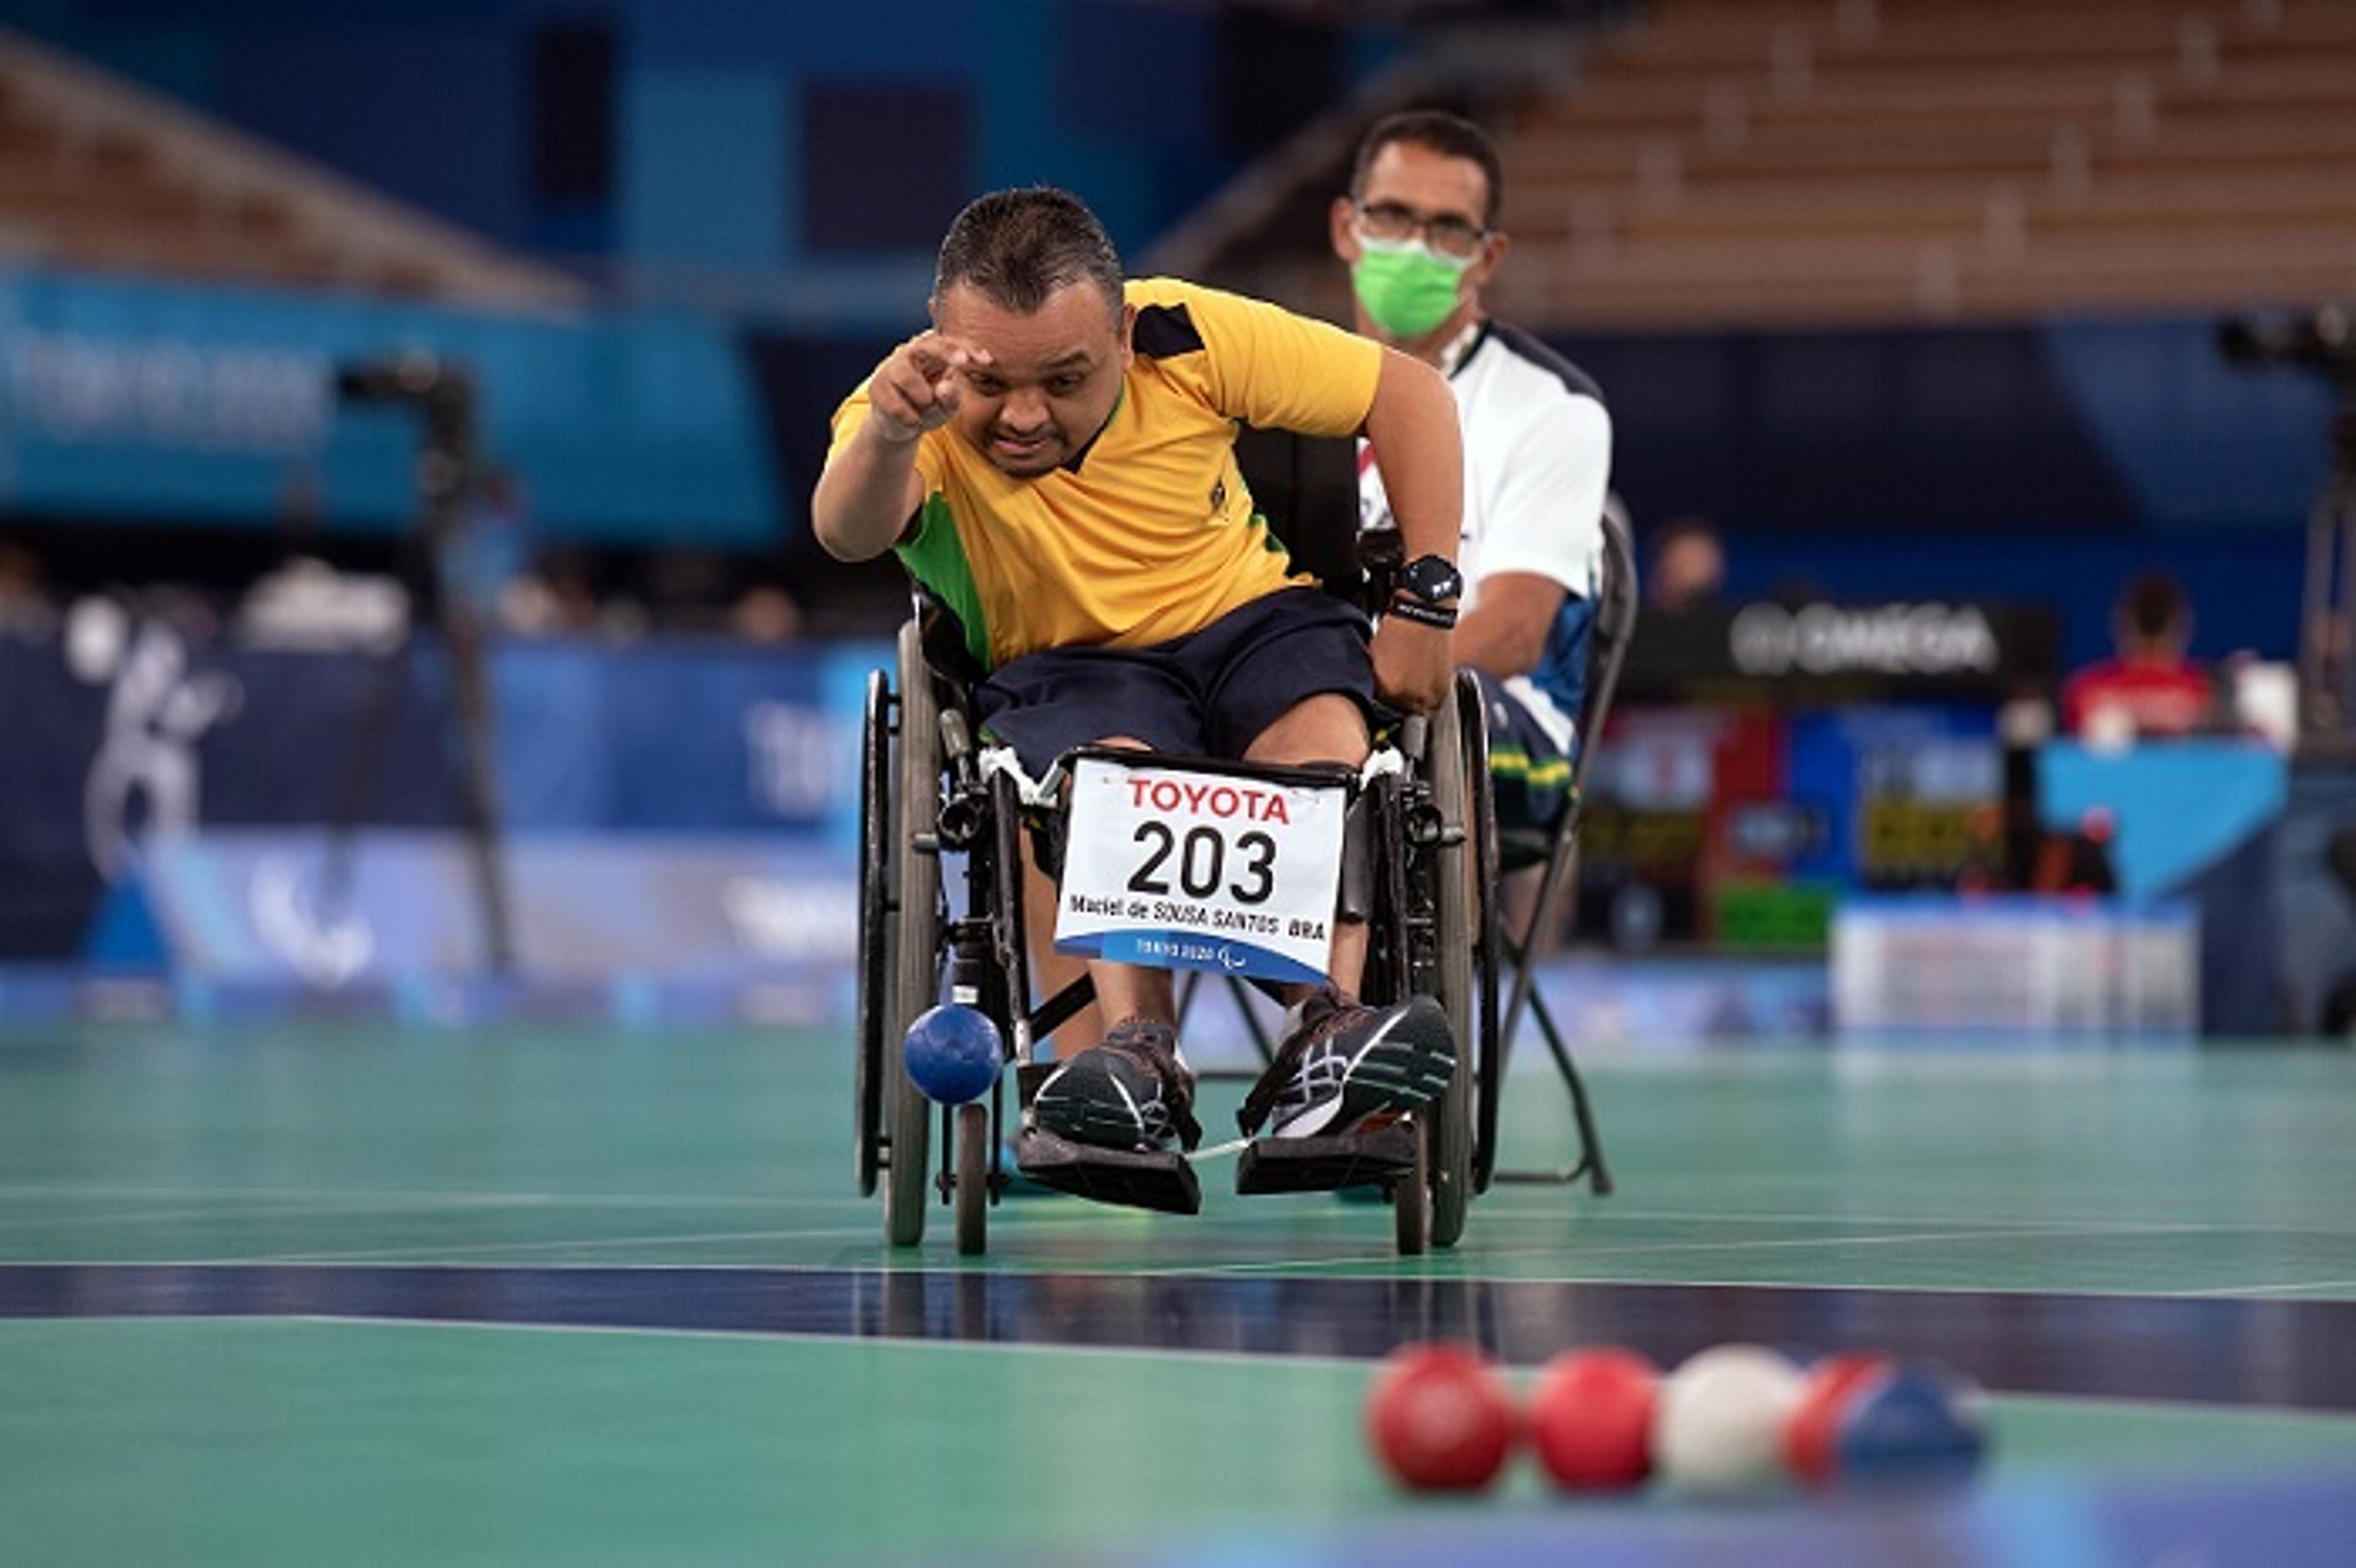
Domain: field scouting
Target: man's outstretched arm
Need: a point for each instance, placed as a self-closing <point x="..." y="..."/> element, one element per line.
<point x="871" y="486"/>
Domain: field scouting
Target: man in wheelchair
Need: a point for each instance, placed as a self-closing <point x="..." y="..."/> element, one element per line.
<point x="1053" y="460"/>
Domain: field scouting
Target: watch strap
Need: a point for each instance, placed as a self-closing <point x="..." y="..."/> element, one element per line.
<point x="1407" y="607"/>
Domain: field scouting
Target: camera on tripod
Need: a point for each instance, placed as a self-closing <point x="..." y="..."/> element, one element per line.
<point x="2323" y="341"/>
<point x="443" y="394"/>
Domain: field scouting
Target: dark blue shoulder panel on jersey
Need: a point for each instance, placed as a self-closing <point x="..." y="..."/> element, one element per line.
<point x="1545" y="356"/>
<point x="1164" y="332"/>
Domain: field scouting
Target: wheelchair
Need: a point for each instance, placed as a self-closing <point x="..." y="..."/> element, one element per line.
<point x="1420" y="843"/>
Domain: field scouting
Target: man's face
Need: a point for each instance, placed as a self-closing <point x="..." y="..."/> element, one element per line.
<point x="1412" y="185"/>
<point x="1042" y="384"/>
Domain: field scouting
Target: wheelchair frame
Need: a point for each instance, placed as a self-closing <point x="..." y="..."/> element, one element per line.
<point x="922" y="793"/>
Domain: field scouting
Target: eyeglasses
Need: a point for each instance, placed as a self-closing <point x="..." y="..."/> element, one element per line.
<point x="1448" y="235"/>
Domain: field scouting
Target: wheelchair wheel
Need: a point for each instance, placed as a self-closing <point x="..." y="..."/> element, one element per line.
<point x="1482" y="840"/>
<point x="1448" y="1135"/>
<point x="918" y="931"/>
<point x="976" y="1132"/>
<point x="875" y="928"/>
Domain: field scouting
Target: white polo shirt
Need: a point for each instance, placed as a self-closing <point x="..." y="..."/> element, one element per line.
<point x="1537" y="464"/>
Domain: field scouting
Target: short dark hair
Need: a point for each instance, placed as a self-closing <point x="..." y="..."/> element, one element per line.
<point x="2154" y="604"/>
<point x="1450" y="136"/>
<point x="1017" y="247"/>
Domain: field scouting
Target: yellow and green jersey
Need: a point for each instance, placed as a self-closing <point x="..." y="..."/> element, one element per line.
<point x="1149" y="533"/>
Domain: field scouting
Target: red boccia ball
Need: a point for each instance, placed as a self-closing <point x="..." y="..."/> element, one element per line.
<point x="1440" y="1418"/>
<point x="1591" y="1419"/>
<point x="1810" y="1436"/>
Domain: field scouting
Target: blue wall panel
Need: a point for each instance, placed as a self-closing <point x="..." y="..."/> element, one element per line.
<point x="129" y="399"/>
<point x="430" y="100"/>
<point x="430" y="115"/>
<point x="1140" y="74"/>
<point x="923" y="38"/>
<point x="2204" y="443"/>
<point x="704" y="166"/>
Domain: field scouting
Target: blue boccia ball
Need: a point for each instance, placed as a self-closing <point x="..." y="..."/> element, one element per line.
<point x="1915" y="1424"/>
<point x="953" y="1053"/>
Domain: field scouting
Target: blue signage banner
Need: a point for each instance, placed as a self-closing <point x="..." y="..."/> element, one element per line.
<point x="216" y="405"/>
<point x="296" y="908"/>
<point x="159" y="736"/>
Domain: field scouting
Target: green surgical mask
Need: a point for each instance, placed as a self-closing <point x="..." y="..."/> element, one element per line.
<point x="1406" y="289"/>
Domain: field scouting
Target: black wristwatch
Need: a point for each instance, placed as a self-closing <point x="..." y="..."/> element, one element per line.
<point x="1425" y="591"/>
<point x="1431" y="578"/>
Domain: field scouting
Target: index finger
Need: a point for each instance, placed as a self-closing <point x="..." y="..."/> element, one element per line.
<point x="936" y="352"/>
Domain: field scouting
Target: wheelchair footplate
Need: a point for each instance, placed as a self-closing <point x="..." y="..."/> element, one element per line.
<point x="1383" y="1158"/>
<point x="1164" y="1182"/>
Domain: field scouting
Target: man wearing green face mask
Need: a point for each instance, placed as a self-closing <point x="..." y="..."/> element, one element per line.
<point x="1418" y="232"/>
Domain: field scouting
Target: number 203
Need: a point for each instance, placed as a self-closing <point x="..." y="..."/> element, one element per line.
<point x="1203" y="862"/>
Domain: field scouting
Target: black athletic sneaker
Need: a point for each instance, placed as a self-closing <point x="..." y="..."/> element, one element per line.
<point x="1132" y="1093"/>
<point x="1347" y="1068"/>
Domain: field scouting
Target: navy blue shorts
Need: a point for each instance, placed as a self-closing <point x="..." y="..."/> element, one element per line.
<point x="1207" y="694"/>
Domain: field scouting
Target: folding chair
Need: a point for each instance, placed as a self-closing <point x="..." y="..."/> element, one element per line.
<point x="1557" y="854"/>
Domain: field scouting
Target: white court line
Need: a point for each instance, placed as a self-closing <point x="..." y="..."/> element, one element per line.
<point x="1043" y="1270"/>
<point x="1491" y="1211"/>
<point x="363" y="1254"/>
<point x="2262" y="1292"/>
<point x="2055" y="1233"/>
<point x="1714" y="1217"/>
<point x="421" y="1197"/>
<point x="890" y="1343"/>
<point x="230" y="1215"/>
<point x="355" y="1264"/>
<point x="1629" y="1249"/>
<point x="1068" y="1220"/>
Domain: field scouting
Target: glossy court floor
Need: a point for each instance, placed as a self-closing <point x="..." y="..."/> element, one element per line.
<point x="352" y="1295"/>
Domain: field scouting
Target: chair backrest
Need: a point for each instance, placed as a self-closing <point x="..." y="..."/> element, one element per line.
<point x="1307" y="487"/>
<point x="1615" y="623"/>
<point x="1609" y="631"/>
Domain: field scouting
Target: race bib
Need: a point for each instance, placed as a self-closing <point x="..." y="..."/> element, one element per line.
<point x="1182" y="868"/>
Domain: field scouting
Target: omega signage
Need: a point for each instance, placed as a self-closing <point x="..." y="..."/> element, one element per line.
<point x="1877" y="639"/>
<point x="1830" y="650"/>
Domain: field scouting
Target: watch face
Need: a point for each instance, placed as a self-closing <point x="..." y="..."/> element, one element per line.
<point x="1432" y="580"/>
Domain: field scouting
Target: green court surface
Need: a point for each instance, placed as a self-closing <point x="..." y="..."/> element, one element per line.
<point x="290" y="1434"/>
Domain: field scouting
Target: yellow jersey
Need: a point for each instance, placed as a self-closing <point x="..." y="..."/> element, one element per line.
<point x="1149" y="533"/>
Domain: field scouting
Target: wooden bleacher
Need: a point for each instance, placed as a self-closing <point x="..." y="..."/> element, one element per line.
<point x="1780" y="161"/>
<point x="99" y="175"/>
<point x="1735" y="161"/>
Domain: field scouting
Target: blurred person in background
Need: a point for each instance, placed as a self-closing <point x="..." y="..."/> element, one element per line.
<point x="1688" y="566"/>
<point x="2150" y="688"/>
<point x="766" y="612"/>
<point x="1418" y="232"/>
<point x="307" y="604"/>
<point x="557" y="597"/>
<point x="25" y="611"/>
